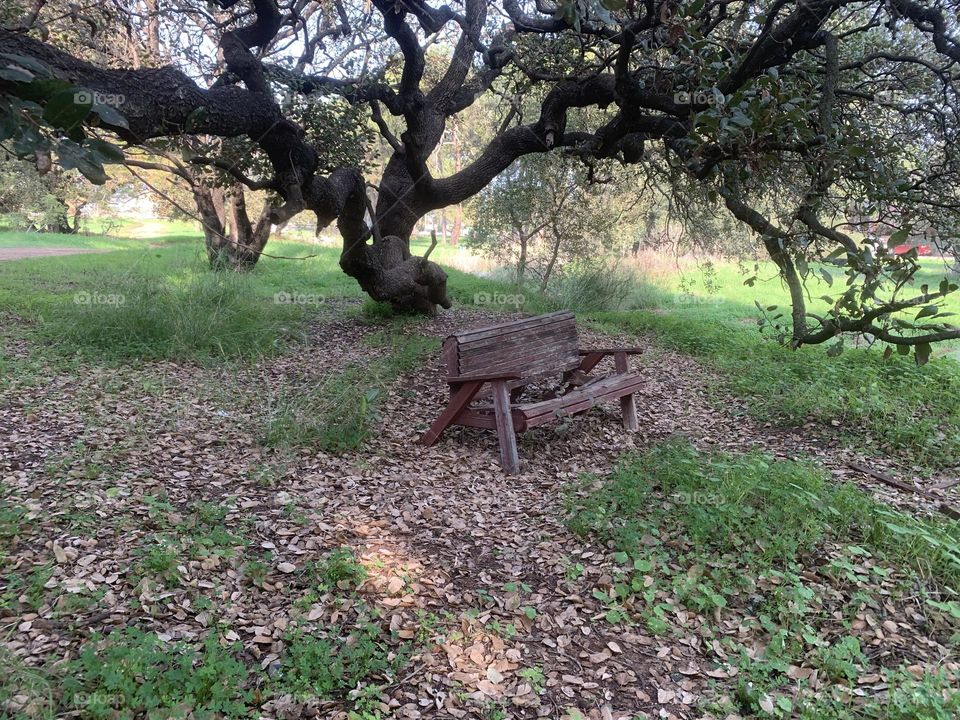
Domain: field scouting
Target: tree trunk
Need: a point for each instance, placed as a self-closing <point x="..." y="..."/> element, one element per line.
<point x="554" y="252"/>
<point x="384" y="268"/>
<point x="232" y="242"/>
<point x="522" y="260"/>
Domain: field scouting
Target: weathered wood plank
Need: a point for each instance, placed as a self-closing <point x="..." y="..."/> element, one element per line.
<point x="628" y="407"/>
<point x="521" y="342"/>
<point x="541" y="362"/>
<point x="468" y="336"/>
<point x="505" y="432"/>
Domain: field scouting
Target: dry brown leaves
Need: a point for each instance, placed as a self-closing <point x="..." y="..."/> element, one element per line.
<point x="442" y="532"/>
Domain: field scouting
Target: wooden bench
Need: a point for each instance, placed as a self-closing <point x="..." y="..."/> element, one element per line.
<point x="506" y="358"/>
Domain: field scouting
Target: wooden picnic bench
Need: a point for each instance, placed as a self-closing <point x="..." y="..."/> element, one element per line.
<point x="506" y="358"/>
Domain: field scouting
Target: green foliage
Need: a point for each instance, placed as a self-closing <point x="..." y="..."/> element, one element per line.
<point x="159" y="558"/>
<point x="11" y="517"/>
<point x="26" y="693"/>
<point x="710" y="531"/>
<point x="534" y="676"/>
<point x="41" y="113"/>
<point x="333" y="664"/>
<point x="542" y="214"/>
<point x="172" y="307"/>
<point x="339" y="568"/>
<point x="336" y="414"/>
<point x="132" y="674"/>
<point x="842" y="660"/>
<point x="25" y="587"/>
<point x="776" y="509"/>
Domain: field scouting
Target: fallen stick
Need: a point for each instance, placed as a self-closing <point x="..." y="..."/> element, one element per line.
<point x="886" y="479"/>
<point x="947" y="510"/>
<point x="947" y="485"/>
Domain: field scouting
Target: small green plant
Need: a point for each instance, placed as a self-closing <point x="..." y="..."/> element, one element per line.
<point x="25" y="692"/>
<point x="841" y="661"/>
<point x="159" y="558"/>
<point x="132" y="674"/>
<point x="331" y="665"/>
<point x="11" y="517"/>
<point x="256" y="571"/>
<point x="340" y="567"/>
<point x="534" y="676"/>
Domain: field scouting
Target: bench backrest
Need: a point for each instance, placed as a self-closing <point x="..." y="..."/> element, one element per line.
<point x="532" y="347"/>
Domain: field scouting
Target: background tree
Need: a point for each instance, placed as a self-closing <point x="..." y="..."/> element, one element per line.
<point x="781" y="110"/>
<point x="541" y="213"/>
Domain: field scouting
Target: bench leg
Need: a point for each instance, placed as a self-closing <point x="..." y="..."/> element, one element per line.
<point x="458" y="403"/>
<point x="628" y="405"/>
<point x="505" y="434"/>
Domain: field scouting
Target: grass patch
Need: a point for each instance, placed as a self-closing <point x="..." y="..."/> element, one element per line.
<point x="753" y="505"/>
<point x="781" y="546"/>
<point x="899" y="405"/>
<point x="337" y="414"/>
<point x="164" y="302"/>
<point x="203" y="314"/>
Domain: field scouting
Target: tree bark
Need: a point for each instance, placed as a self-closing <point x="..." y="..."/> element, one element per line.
<point x="232" y="241"/>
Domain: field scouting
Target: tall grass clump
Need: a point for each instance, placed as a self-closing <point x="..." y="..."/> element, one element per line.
<point x="590" y="287"/>
<point x="196" y="314"/>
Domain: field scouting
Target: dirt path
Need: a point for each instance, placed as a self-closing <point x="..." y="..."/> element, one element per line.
<point x="21" y="253"/>
<point x="450" y="543"/>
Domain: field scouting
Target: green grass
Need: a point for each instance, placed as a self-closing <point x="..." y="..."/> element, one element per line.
<point x="707" y="533"/>
<point x="900" y="406"/>
<point x="13" y="239"/>
<point x="164" y="302"/>
<point x="173" y="307"/>
<point x="752" y="505"/>
<point x="337" y="414"/>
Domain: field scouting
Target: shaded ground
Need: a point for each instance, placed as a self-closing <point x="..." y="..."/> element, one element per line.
<point x="455" y="551"/>
<point x="19" y="253"/>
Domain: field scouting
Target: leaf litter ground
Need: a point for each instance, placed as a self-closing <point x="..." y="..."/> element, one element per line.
<point x="118" y="481"/>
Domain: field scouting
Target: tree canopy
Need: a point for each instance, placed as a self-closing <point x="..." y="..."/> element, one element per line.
<point x="828" y="127"/>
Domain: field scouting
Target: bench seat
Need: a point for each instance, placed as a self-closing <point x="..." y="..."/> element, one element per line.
<point x="531" y="414"/>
